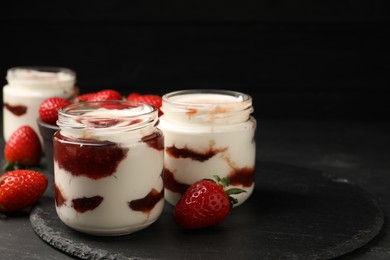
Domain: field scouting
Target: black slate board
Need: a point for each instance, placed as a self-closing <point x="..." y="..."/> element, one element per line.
<point x="294" y="213"/>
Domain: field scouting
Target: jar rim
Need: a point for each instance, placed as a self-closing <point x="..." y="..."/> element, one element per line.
<point x="207" y="106"/>
<point x="82" y="116"/>
<point x="240" y="97"/>
<point x="40" y="74"/>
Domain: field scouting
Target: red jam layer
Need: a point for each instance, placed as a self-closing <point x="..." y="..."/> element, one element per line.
<point x="172" y="184"/>
<point x="241" y="176"/>
<point x="60" y="198"/>
<point x="192" y="154"/>
<point x="84" y="204"/>
<point x="155" y="140"/>
<point x="147" y="203"/>
<point x="17" y="110"/>
<point x="238" y="176"/>
<point x="84" y="157"/>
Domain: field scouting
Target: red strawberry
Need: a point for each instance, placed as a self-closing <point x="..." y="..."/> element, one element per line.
<point x="83" y="98"/>
<point x="48" y="110"/>
<point x="205" y="204"/>
<point x="106" y="94"/>
<point x="23" y="148"/>
<point x="153" y="100"/>
<point x="133" y="96"/>
<point x="20" y="189"/>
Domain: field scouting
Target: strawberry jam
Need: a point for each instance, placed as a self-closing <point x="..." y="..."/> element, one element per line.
<point x="243" y="176"/>
<point x="84" y="204"/>
<point x="59" y="197"/>
<point x="192" y="154"/>
<point x="90" y="158"/>
<point x="155" y="140"/>
<point x="172" y="184"/>
<point x="17" y="110"/>
<point x="147" y="203"/>
<point x="108" y="164"/>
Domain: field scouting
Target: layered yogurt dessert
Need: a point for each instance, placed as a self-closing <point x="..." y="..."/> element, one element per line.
<point x="208" y="132"/>
<point x="108" y="162"/>
<point x="26" y="89"/>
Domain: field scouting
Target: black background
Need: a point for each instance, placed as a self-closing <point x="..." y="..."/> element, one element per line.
<point x="298" y="59"/>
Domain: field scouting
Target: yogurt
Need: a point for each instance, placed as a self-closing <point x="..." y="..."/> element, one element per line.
<point x="108" y="162"/>
<point x="207" y="133"/>
<point x="26" y="89"/>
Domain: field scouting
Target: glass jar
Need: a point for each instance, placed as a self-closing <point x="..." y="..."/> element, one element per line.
<point x="207" y="133"/>
<point x="108" y="162"/>
<point x="26" y="89"/>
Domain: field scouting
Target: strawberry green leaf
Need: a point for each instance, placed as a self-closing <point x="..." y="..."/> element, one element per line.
<point x="234" y="191"/>
<point x="224" y="182"/>
<point x="217" y="178"/>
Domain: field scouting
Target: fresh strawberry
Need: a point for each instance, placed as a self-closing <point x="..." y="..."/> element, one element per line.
<point x="205" y="204"/>
<point x="106" y="94"/>
<point x="23" y="148"/>
<point x="150" y="99"/>
<point x="48" y="110"/>
<point x="20" y="189"/>
<point x="133" y="96"/>
<point x="83" y="98"/>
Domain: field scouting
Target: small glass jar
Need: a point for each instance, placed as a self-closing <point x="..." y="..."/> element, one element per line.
<point x="26" y="89"/>
<point x="207" y="133"/>
<point x="108" y="162"/>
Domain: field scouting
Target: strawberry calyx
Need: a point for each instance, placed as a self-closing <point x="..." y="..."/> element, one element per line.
<point x="224" y="183"/>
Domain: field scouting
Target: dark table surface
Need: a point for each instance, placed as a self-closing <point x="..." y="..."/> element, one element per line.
<point x="353" y="150"/>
